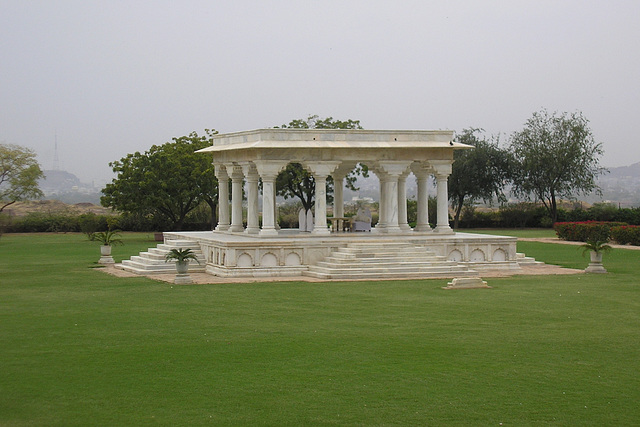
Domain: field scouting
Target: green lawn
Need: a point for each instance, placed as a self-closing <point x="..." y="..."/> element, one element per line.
<point x="79" y="347"/>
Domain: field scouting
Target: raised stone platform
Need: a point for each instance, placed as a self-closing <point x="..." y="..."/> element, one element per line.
<point x="337" y="256"/>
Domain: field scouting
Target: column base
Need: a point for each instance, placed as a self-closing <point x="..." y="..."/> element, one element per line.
<point x="268" y="232"/>
<point x="321" y="231"/>
<point x="236" y="229"/>
<point x="423" y="229"/>
<point x="443" y="229"/>
<point x="252" y="230"/>
<point x="222" y="227"/>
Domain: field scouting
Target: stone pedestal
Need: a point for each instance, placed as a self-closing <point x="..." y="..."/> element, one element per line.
<point x="595" y="266"/>
<point x="182" y="279"/>
<point x="105" y="255"/>
<point x="466" y="283"/>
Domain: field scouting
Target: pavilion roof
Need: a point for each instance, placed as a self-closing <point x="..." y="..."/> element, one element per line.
<point x="333" y="139"/>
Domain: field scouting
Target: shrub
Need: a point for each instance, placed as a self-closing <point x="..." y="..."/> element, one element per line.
<point x="629" y="215"/>
<point x="519" y="215"/>
<point x="473" y="218"/>
<point x="603" y="211"/>
<point x="5" y="221"/>
<point x="39" y="223"/>
<point x="90" y="223"/>
<point x="626" y="234"/>
<point x="585" y="230"/>
<point x="577" y="215"/>
<point x="141" y="222"/>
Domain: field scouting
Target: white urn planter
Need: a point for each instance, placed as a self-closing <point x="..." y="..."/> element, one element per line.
<point x="105" y="255"/>
<point x="595" y="266"/>
<point x="107" y="239"/>
<point x="181" y="258"/>
<point x="182" y="273"/>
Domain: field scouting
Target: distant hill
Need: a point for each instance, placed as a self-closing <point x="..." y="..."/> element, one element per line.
<point x="620" y="186"/>
<point x="66" y="187"/>
<point x="56" y="181"/>
<point x="632" y="171"/>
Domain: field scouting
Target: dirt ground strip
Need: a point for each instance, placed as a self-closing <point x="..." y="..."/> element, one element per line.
<point x="203" y="278"/>
<point x="207" y="279"/>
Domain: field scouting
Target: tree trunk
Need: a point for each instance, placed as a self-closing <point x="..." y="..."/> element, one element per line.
<point x="213" y="205"/>
<point x="456" y="219"/>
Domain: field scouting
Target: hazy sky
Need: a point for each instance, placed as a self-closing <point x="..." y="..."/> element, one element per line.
<point x="114" y="77"/>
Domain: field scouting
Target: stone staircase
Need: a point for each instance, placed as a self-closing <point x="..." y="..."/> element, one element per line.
<point x="523" y="260"/>
<point x="153" y="260"/>
<point x="386" y="260"/>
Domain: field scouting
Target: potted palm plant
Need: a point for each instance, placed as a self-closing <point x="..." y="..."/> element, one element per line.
<point x="108" y="239"/>
<point x="596" y="248"/>
<point x="181" y="257"/>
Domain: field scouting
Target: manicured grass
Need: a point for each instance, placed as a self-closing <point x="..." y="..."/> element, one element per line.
<point x="79" y="347"/>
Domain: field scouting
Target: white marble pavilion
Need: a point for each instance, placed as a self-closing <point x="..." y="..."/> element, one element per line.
<point x="391" y="155"/>
<point x="392" y="247"/>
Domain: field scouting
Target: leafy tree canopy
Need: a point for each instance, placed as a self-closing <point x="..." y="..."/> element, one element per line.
<point x="555" y="156"/>
<point x="479" y="173"/>
<point x="19" y="174"/>
<point x="295" y="181"/>
<point x="168" y="180"/>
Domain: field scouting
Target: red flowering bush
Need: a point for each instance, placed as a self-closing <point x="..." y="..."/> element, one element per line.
<point x="626" y="234"/>
<point x="585" y="230"/>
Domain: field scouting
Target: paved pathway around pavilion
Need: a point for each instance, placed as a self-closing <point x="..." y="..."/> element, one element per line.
<point x="204" y="278"/>
<point x="566" y="242"/>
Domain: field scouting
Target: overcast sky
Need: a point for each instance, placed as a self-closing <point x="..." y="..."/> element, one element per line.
<point x="114" y="77"/>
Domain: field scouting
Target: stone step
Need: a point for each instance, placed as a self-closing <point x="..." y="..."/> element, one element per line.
<point x="153" y="260"/>
<point x="145" y="268"/>
<point x="160" y="254"/>
<point x="364" y="257"/>
<point x="354" y="275"/>
<point x="389" y="269"/>
<point x="522" y="259"/>
<point x="379" y="262"/>
<point x="382" y="253"/>
<point x="385" y="260"/>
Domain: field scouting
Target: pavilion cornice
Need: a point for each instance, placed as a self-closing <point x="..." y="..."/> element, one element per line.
<point x="341" y="139"/>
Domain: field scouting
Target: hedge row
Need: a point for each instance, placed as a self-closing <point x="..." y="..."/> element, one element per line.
<point x="626" y="234"/>
<point x="598" y="230"/>
<point x="90" y="223"/>
<point x="531" y="215"/>
<point x="585" y="230"/>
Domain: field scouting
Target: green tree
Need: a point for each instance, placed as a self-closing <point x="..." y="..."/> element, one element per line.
<point x="168" y="180"/>
<point x="555" y="156"/>
<point x="19" y="174"/>
<point x="295" y="181"/>
<point x="479" y="173"/>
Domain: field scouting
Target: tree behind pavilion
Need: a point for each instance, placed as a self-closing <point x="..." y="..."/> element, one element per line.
<point x="295" y="181"/>
<point x="555" y="156"/>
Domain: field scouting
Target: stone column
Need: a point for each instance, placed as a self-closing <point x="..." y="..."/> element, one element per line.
<point x="268" y="171"/>
<point x="320" y="171"/>
<point x="338" y="187"/>
<point x="338" y="195"/>
<point x="382" y="205"/>
<point x="392" y="172"/>
<point x="422" y="173"/>
<point x="442" y="171"/>
<point x="223" y="197"/>
<point x="251" y="174"/>
<point x="402" y="202"/>
<point x="236" y="198"/>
